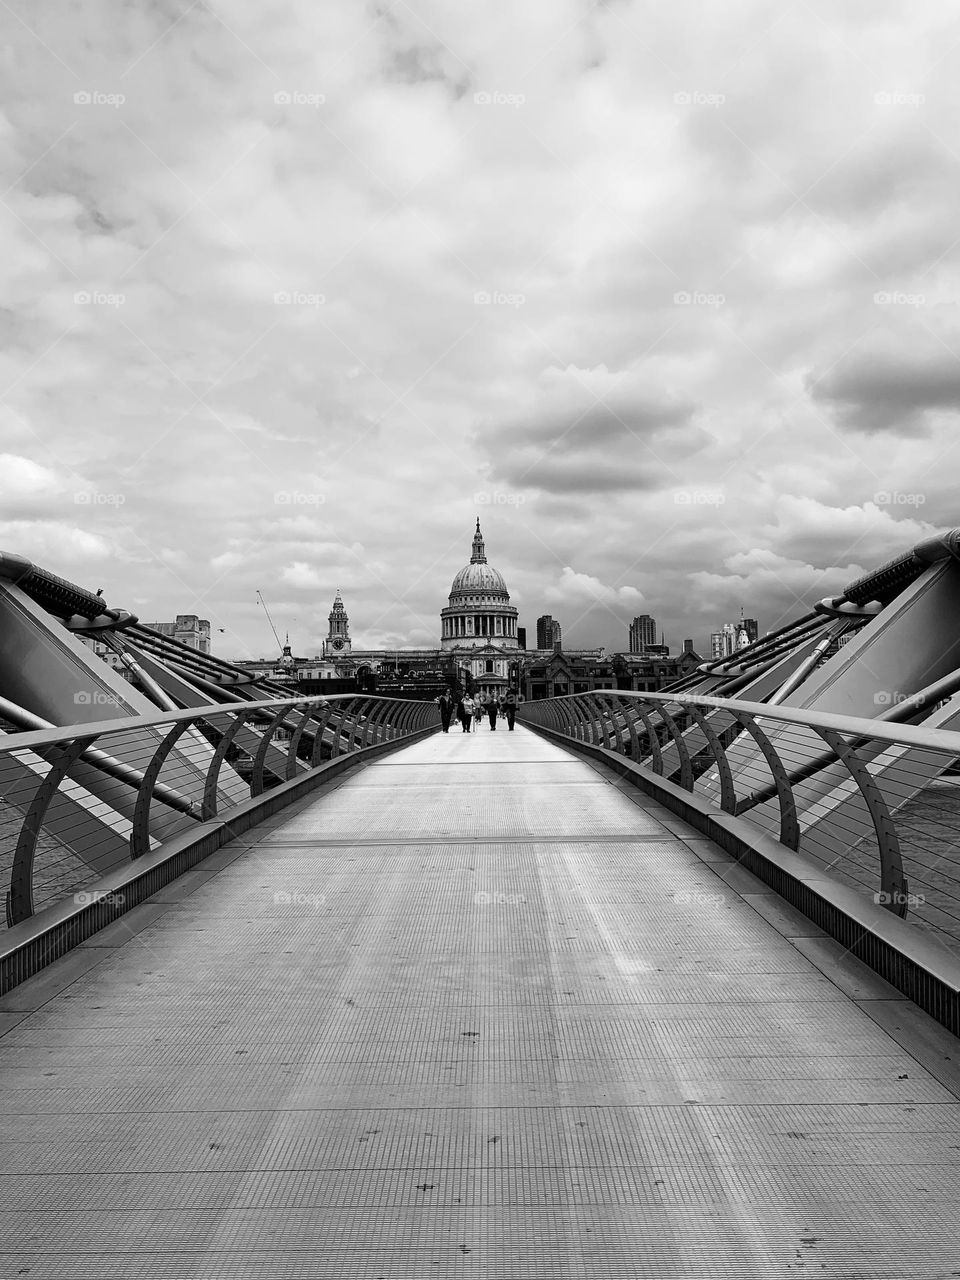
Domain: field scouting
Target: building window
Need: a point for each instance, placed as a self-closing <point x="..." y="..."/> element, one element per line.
<point x="489" y="665"/>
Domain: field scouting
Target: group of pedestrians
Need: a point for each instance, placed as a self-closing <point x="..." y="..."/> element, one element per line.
<point x="470" y="711"/>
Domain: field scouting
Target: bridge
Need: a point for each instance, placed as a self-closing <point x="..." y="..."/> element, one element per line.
<point x="659" y="984"/>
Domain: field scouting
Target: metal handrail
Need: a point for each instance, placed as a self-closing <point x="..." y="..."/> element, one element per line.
<point x="66" y="787"/>
<point x="828" y="795"/>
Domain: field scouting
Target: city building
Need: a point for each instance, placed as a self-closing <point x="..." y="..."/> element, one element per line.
<point x="548" y="633"/>
<point x="337" y="643"/>
<point x="480" y="647"/>
<point x="188" y="629"/>
<point x="642" y="633"/>
<point x="733" y="636"/>
<point x="752" y="628"/>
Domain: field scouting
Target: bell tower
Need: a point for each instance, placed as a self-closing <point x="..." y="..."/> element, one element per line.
<point x="337" y="642"/>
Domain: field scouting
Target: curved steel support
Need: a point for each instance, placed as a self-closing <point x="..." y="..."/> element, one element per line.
<point x="589" y="705"/>
<point x="789" y="826"/>
<point x="631" y="724"/>
<point x="611" y="738"/>
<point x="20" y="900"/>
<point x="621" y="731"/>
<point x="578" y="720"/>
<point x="604" y="720"/>
<point x="209" y="807"/>
<point x="357" y="729"/>
<point x="140" y="832"/>
<point x="404" y="714"/>
<point x="653" y="740"/>
<point x="323" y="719"/>
<point x="686" y="765"/>
<point x="728" y="796"/>
<point x="373" y="725"/>
<point x="340" y="713"/>
<point x="564" y="720"/>
<point x="294" y="743"/>
<point x="256" y="777"/>
<point x="893" y="884"/>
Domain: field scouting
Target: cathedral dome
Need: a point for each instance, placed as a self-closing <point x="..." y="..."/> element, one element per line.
<point x="478" y="577"/>
<point x="479" y="612"/>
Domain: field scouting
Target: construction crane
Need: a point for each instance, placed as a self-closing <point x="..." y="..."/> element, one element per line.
<point x="269" y="619"/>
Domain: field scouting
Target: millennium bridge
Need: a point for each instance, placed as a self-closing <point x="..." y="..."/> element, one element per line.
<point x="657" y="985"/>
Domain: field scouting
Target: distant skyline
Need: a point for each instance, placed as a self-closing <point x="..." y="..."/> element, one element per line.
<point x="667" y="294"/>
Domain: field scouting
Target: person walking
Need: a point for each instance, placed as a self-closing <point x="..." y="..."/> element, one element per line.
<point x="477" y="712"/>
<point x="491" y="709"/>
<point x="445" y="703"/>
<point x="466" y="713"/>
<point x="510" y="703"/>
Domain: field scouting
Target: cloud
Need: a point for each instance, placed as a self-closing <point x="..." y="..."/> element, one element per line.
<point x="577" y="589"/>
<point x="582" y="168"/>
<point x="886" y="390"/>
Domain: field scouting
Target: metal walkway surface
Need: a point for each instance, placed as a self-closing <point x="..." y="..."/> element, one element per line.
<point x="478" y="1009"/>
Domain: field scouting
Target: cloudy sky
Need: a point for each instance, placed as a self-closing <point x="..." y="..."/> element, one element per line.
<point x="667" y="293"/>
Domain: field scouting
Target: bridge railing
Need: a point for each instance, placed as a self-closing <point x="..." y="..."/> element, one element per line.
<point x="874" y="805"/>
<point x="79" y="803"/>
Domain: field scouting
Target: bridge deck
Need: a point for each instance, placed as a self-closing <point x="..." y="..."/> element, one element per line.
<point x="506" y="1018"/>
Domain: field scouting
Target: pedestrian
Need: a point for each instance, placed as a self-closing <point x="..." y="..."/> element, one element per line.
<point x="510" y="703"/>
<point x="492" y="708"/>
<point x="445" y="703"/>
<point x="477" y="712"/>
<point x="465" y="711"/>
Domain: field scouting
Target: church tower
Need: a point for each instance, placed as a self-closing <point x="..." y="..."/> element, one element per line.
<point x="337" y="642"/>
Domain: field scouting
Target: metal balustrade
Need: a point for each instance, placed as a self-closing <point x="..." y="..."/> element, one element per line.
<point x="82" y="802"/>
<point x="874" y="805"/>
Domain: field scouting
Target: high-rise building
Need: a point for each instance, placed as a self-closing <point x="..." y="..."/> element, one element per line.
<point x="643" y="633"/>
<point x="548" y="632"/>
<point x="521" y="637"/>
<point x="733" y="636"/>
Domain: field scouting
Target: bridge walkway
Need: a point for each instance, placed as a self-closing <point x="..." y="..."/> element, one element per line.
<point x="479" y="1009"/>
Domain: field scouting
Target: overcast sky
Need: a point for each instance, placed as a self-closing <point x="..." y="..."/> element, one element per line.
<point x="666" y="293"/>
